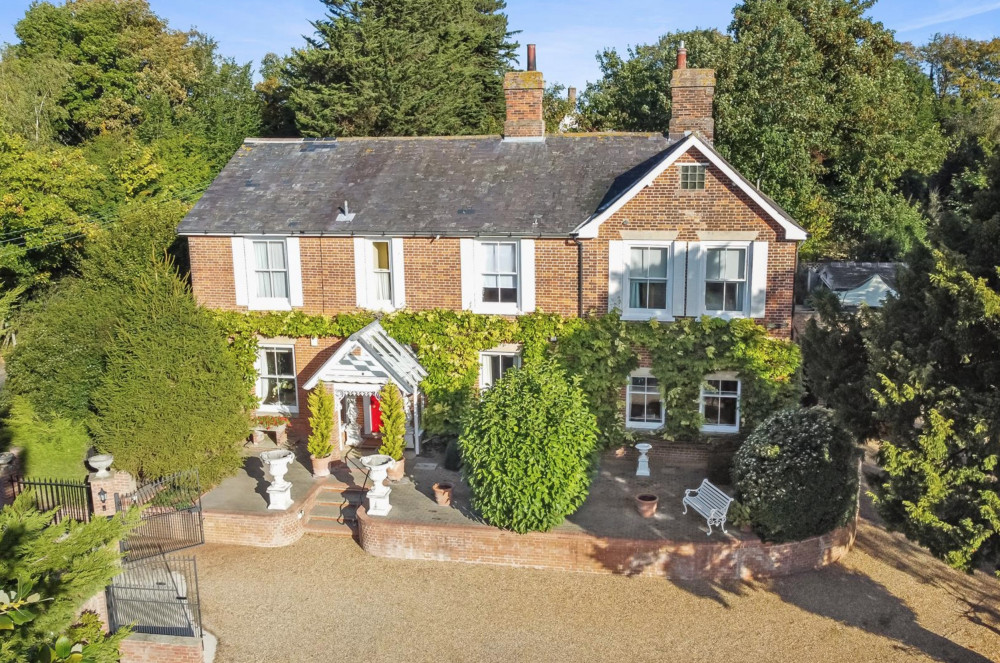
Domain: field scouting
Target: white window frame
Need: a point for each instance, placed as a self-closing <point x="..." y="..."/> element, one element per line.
<point x="721" y="428"/>
<point x="643" y="425"/>
<point x="704" y="179"/>
<point x="748" y="272"/>
<point x="484" y="358"/>
<point x="364" y="274"/>
<point x="260" y="366"/>
<point x="501" y="308"/>
<point x="629" y="313"/>
<point x="245" y="274"/>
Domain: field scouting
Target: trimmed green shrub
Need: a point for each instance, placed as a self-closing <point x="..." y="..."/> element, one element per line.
<point x="320" y="422"/>
<point x="172" y="397"/>
<point x="54" y="447"/>
<point x="797" y="475"/>
<point x="453" y="456"/>
<point x="528" y="447"/>
<point x="393" y="422"/>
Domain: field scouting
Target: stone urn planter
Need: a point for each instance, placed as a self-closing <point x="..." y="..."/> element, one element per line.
<point x="442" y="493"/>
<point x="320" y="466"/>
<point x="646" y="504"/>
<point x="397" y="471"/>
<point x="101" y="463"/>
<point x="280" y="491"/>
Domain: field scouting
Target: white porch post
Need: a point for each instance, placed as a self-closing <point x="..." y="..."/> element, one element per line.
<point x="416" y="422"/>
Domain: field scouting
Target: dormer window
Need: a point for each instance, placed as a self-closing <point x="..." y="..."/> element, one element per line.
<point x="693" y="177"/>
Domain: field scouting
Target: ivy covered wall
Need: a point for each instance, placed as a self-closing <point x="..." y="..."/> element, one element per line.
<point x="600" y="351"/>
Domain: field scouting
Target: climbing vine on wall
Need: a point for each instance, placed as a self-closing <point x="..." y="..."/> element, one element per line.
<point x="601" y="350"/>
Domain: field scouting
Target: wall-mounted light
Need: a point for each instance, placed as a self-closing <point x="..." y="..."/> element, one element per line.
<point x="103" y="496"/>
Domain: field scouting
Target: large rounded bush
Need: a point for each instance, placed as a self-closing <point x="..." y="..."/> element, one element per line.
<point x="797" y="475"/>
<point x="528" y="447"/>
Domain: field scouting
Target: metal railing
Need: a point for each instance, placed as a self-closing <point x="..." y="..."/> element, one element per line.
<point x="69" y="499"/>
<point x="171" y="516"/>
<point x="157" y="596"/>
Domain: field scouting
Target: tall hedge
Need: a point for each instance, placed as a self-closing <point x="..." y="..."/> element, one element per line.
<point x="172" y="396"/>
<point x="797" y="475"/>
<point x="528" y="447"/>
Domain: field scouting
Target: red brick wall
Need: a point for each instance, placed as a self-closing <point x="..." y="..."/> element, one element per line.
<point x="271" y="529"/>
<point x="432" y="273"/>
<point x="716" y="560"/>
<point x="212" y="277"/>
<point x="146" y="648"/>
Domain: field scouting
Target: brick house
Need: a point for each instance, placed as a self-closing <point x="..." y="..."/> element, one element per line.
<point x="656" y="226"/>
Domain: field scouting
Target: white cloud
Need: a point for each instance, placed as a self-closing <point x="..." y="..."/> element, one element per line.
<point x="954" y="14"/>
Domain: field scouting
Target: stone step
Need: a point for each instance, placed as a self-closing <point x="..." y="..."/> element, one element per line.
<point x="330" y="527"/>
<point x="334" y="511"/>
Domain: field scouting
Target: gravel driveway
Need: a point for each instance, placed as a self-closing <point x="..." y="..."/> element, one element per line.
<point x="324" y="599"/>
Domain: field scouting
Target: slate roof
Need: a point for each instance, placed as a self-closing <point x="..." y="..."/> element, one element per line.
<point x="414" y="186"/>
<point x="838" y="276"/>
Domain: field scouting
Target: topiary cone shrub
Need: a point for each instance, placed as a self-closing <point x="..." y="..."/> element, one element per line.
<point x="320" y="422"/>
<point x="797" y="475"/>
<point x="393" y="422"/>
<point x="527" y="448"/>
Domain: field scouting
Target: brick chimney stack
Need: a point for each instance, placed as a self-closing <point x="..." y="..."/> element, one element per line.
<point x="692" y="92"/>
<point x="523" y="92"/>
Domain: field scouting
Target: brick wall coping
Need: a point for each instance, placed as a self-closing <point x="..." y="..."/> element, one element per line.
<point x="712" y="560"/>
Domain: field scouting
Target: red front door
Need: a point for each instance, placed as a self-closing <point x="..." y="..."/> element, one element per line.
<point x="376" y="415"/>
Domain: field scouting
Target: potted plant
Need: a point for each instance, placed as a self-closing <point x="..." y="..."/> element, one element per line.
<point x="442" y="492"/>
<point x="646" y="504"/>
<point x="393" y="428"/>
<point x="273" y="423"/>
<point x="321" y="428"/>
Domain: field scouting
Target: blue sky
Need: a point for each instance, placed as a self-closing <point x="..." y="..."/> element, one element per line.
<point x="568" y="32"/>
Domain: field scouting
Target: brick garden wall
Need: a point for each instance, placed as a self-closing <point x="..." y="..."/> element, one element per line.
<point x="272" y="529"/>
<point x="146" y="648"/>
<point x="717" y="560"/>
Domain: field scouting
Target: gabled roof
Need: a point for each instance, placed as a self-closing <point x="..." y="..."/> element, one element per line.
<point x="422" y="186"/>
<point x="590" y="227"/>
<point x="847" y="275"/>
<point x="369" y="359"/>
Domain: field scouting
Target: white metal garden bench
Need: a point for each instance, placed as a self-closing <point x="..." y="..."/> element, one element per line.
<point x="710" y="502"/>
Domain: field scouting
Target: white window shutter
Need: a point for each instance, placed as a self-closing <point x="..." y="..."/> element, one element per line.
<point x="361" y="251"/>
<point x="695" y="279"/>
<point x="294" y="272"/>
<point x="616" y="274"/>
<point x="678" y="272"/>
<point x="758" y="280"/>
<point x="467" y="250"/>
<point x="240" y="275"/>
<point x="527" y="275"/>
<point x="398" y="277"/>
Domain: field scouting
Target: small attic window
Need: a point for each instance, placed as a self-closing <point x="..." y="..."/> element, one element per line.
<point x="693" y="177"/>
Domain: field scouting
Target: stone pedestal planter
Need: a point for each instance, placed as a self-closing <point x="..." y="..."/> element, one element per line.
<point x="101" y="463"/>
<point x="279" y="493"/>
<point x="646" y="504"/>
<point x="442" y="493"/>
<point x="378" y="496"/>
<point x="642" y="469"/>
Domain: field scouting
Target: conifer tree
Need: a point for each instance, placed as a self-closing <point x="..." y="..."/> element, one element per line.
<point x="393" y="422"/>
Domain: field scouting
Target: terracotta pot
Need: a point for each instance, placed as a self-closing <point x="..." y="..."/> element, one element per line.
<point x="645" y="504"/>
<point x="442" y="493"/>
<point x="321" y="466"/>
<point x="397" y="471"/>
<point x="621" y="452"/>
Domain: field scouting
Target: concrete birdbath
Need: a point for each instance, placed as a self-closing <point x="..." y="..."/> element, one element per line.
<point x="101" y="463"/>
<point x="378" y="497"/>
<point x="279" y="493"/>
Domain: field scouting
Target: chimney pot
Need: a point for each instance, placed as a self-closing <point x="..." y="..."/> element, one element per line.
<point x="531" y="58"/>
<point x="682" y="57"/>
<point x="572" y="97"/>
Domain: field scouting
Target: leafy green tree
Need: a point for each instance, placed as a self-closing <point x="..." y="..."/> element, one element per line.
<point x="557" y="107"/>
<point x="171" y="396"/>
<point x="53" y="446"/>
<point x="393" y="422"/>
<point x="277" y="118"/>
<point x="65" y="564"/>
<point x="402" y="67"/>
<point x="797" y="475"/>
<point x="320" y="422"/>
<point x="527" y="449"/>
<point x="30" y="90"/>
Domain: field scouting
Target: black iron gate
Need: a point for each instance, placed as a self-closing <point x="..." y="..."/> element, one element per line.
<point x="68" y="499"/>
<point x="171" y="516"/>
<point x="157" y="595"/>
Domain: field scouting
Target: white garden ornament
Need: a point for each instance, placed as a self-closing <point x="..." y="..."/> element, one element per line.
<point x="279" y="493"/>
<point x="642" y="470"/>
<point x="101" y="463"/>
<point x="378" y="497"/>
